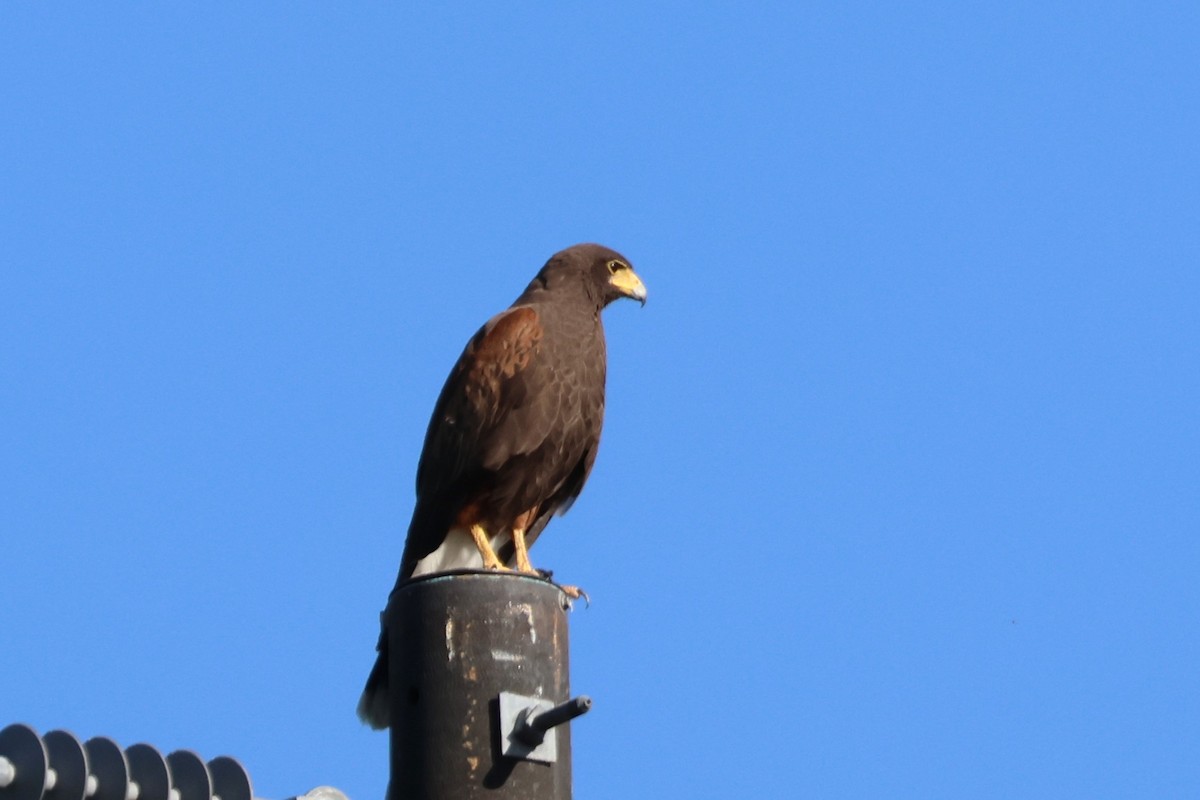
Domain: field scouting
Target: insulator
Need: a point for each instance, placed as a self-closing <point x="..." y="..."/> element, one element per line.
<point x="58" y="767"/>
<point x="25" y="766"/>
<point x="189" y="775"/>
<point x="106" y="762"/>
<point x="68" y="762"/>
<point x="149" y="771"/>
<point x="230" y="779"/>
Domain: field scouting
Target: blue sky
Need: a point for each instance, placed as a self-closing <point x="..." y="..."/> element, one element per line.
<point x="898" y="492"/>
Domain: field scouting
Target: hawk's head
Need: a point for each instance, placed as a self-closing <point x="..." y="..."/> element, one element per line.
<point x="606" y="275"/>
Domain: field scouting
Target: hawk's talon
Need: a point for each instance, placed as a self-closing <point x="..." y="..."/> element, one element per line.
<point x="574" y="592"/>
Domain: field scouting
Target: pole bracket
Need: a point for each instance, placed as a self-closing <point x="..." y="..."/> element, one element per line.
<point x="525" y="721"/>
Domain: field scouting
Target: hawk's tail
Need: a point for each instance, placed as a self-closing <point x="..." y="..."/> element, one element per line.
<point x="374" y="707"/>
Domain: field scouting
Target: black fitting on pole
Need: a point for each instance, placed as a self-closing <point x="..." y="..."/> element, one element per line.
<point x="474" y="655"/>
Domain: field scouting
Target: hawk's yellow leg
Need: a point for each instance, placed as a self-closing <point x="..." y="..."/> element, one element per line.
<point x="523" y="564"/>
<point x="490" y="559"/>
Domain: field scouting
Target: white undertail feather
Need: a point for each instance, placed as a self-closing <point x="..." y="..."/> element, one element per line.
<point x="374" y="709"/>
<point x="458" y="551"/>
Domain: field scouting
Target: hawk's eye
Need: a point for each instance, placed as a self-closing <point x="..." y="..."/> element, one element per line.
<point x="615" y="265"/>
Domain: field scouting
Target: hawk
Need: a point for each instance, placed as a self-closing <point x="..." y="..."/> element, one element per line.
<point x="514" y="432"/>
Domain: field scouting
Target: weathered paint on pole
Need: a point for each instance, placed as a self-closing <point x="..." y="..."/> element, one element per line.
<point x="456" y="642"/>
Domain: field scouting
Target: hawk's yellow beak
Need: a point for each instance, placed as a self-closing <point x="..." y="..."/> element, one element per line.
<point x="629" y="284"/>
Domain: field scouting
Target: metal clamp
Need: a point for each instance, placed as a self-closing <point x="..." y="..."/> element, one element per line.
<point x="525" y="721"/>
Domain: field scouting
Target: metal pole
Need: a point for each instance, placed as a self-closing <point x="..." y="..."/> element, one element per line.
<point x="456" y="643"/>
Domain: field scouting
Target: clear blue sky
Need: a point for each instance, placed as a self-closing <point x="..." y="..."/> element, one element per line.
<point x="898" y="495"/>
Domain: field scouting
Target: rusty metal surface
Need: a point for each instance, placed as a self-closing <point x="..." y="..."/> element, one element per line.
<point x="456" y="642"/>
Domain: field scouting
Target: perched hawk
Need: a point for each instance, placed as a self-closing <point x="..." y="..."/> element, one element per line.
<point x="515" y="430"/>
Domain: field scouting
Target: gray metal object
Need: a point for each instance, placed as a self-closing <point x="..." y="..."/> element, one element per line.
<point x="525" y="723"/>
<point x="455" y="643"/>
<point x="322" y="793"/>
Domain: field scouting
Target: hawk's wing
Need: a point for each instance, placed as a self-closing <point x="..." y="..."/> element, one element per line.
<point x="498" y="402"/>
